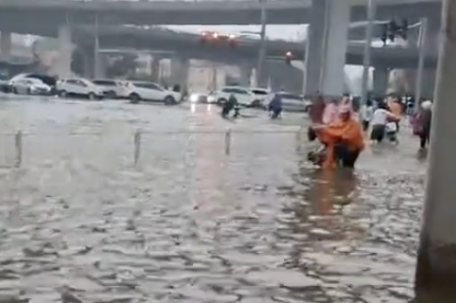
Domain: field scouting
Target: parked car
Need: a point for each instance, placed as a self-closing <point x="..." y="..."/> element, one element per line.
<point x="245" y="96"/>
<point x="198" y="98"/>
<point x="48" y="80"/>
<point x="112" y="89"/>
<point x="44" y="79"/>
<point x="149" y="91"/>
<point x="79" y="87"/>
<point x="29" y="86"/>
<point x="292" y="102"/>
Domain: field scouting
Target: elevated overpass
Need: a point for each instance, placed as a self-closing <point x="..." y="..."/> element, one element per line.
<point x="188" y="44"/>
<point x="202" y="12"/>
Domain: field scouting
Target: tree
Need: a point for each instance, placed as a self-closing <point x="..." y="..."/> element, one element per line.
<point x="77" y="62"/>
<point x="122" y="64"/>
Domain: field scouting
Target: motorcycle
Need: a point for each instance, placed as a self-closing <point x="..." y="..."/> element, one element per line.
<point x="237" y="112"/>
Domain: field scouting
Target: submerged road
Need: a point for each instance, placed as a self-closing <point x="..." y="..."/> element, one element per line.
<point x="189" y="223"/>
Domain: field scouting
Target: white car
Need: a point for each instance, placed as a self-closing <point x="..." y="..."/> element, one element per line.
<point x="29" y="86"/>
<point x="261" y="93"/>
<point x="149" y="91"/>
<point x="244" y="96"/>
<point x="292" y="102"/>
<point x="79" y="87"/>
<point x="112" y="89"/>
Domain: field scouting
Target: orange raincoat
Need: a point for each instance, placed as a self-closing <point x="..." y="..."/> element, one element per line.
<point x="349" y="131"/>
<point x="395" y="108"/>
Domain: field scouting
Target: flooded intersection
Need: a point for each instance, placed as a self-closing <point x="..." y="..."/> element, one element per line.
<point x="188" y="223"/>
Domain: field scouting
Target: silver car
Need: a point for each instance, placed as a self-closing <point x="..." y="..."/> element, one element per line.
<point x="30" y="86"/>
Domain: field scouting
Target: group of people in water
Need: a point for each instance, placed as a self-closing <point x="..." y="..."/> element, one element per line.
<point x="274" y="107"/>
<point x="342" y="130"/>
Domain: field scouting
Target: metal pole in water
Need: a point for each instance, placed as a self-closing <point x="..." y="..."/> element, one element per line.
<point x="436" y="263"/>
<point x="227" y="141"/>
<point x="367" y="50"/>
<point x="422" y="48"/>
<point x="18" y="144"/>
<point x="299" y="140"/>
<point x="137" y="144"/>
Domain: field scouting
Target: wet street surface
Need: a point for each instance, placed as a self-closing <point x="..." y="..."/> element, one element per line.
<point x="189" y="223"/>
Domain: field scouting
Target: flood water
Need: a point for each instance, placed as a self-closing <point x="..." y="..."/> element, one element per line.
<point x="79" y="222"/>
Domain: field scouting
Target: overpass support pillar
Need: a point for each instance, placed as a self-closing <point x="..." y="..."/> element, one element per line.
<point x="101" y="63"/>
<point x="429" y="79"/>
<point x="65" y="51"/>
<point x="245" y="75"/>
<point x="155" y="69"/>
<point x="5" y="45"/>
<point x="327" y="47"/>
<point x="180" y="69"/>
<point x="428" y="84"/>
<point x="380" y="83"/>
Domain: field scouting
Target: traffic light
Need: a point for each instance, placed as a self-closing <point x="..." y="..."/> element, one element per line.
<point x="392" y="30"/>
<point x="288" y="57"/>
<point x="384" y="35"/>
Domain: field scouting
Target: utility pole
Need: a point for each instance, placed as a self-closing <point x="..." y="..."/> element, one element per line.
<point x="262" y="50"/>
<point x="422" y="48"/>
<point x="436" y="263"/>
<point x="367" y="51"/>
<point x="96" y="50"/>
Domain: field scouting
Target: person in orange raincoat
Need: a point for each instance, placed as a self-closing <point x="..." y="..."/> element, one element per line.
<point x="343" y="140"/>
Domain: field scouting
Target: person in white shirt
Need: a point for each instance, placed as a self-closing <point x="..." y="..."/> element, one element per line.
<point x="380" y="118"/>
<point x="367" y="111"/>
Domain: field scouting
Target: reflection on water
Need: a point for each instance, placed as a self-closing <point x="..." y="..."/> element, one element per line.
<point x="191" y="224"/>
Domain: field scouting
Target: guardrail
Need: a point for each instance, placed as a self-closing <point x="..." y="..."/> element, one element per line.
<point x="138" y="140"/>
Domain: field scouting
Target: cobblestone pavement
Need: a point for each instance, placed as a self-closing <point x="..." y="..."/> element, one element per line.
<point x="190" y="223"/>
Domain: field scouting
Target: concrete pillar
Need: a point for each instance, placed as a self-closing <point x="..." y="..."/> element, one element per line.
<point x="245" y="75"/>
<point x="337" y="23"/>
<point x="101" y="63"/>
<point x="380" y="83"/>
<point x="88" y="60"/>
<point x="155" y="69"/>
<point x="428" y="85"/>
<point x="65" y="51"/>
<point x="327" y="47"/>
<point x="180" y="68"/>
<point x="5" y="45"/>
<point x="314" y="47"/>
<point x="436" y="263"/>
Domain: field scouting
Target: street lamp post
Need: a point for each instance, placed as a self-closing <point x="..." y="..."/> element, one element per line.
<point x="367" y="50"/>
<point x="422" y="48"/>
<point x="262" y="50"/>
<point x="96" y="50"/>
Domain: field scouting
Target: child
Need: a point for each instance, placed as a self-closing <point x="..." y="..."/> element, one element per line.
<point x="367" y="111"/>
